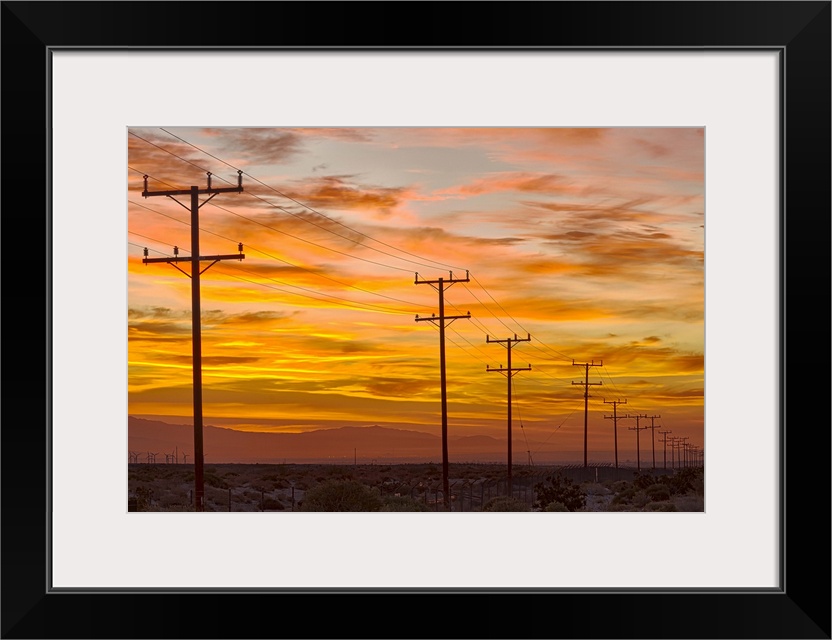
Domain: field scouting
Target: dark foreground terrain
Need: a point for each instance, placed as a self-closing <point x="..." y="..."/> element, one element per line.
<point x="414" y="487"/>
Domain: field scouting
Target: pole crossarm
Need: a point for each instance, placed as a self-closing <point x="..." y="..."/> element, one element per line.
<point x="442" y="281"/>
<point x="434" y="319"/>
<point x="187" y="192"/>
<point x="507" y="371"/>
<point x="225" y="256"/>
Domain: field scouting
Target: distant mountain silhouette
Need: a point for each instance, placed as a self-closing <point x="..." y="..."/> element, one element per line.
<point x="344" y="444"/>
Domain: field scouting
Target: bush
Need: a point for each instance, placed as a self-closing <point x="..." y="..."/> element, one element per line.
<point x="556" y="506"/>
<point x="270" y="504"/>
<point x="685" y="480"/>
<point x="625" y="497"/>
<point x="642" y="480"/>
<point x="336" y="495"/>
<point x="559" y="488"/>
<point x="505" y="503"/>
<point x="658" y="492"/>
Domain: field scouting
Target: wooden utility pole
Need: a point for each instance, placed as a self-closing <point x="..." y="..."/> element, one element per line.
<point x="664" y="440"/>
<point x="196" y="272"/>
<point x="586" y="384"/>
<point x="638" y="430"/>
<point x="653" y="426"/>
<point x="509" y="373"/>
<point x="443" y="321"/>
<point x="614" y="418"/>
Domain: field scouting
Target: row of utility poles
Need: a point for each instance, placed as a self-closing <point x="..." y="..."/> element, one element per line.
<point x="442" y="321"/>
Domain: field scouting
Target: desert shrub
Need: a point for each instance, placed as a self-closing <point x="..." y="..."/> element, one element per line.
<point x="336" y="495"/>
<point x="505" y="503"/>
<point x="689" y="479"/>
<point x="595" y="489"/>
<point x="231" y="474"/>
<point x="658" y="492"/>
<point x="403" y="503"/>
<point x="620" y="485"/>
<point x="625" y="497"/>
<point x="213" y="480"/>
<point x="143" y="498"/>
<point x="168" y="500"/>
<point x="555" y="506"/>
<point x="641" y="499"/>
<point x="270" y="504"/>
<point x="559" y="488"/>
<point x="642" y="480"/>
<point x="661" y="506"/>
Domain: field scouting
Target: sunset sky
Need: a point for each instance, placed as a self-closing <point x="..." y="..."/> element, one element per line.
<point x="589" y="240"/>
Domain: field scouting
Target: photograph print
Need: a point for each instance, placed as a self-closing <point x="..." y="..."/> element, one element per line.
<point x="416" y="319"/>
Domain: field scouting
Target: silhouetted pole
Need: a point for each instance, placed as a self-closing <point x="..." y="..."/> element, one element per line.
<point x="586" y="384"/>
<point x="664" y="440"/>
<point x="683" y="452"/>
<point x="509" y="373"/>
<point x="440" y="285"/>
<point x="653" y="426"/>
<point x="614" y="418"/>
<point x="638" y="431"/>
<point x="685" y="446"/>
<point x="673" y="447"/>
<point x="196" y="272"/>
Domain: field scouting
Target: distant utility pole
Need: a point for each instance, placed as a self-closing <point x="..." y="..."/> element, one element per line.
<point x="509" y="373"/>
<point x="653" y="426"/>
<point x="638" y="431"/>
<point x="683" y="445"/>
<point x="586" y="384"/>
<point x="195" y="260"/>
<point x="614" y="418"/>
<point x="443" y="321"/>
<point x="672" y="440"/>
<point x="664" y="440"/>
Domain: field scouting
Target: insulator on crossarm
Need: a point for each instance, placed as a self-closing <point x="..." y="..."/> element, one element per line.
<point x="176" y="251"/>
<point x="145" y="252"/>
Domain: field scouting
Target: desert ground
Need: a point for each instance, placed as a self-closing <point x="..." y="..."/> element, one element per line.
<point x="414" y="487"/>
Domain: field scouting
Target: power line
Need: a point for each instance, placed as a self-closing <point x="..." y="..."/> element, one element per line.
<point x="296" y="266"/>
<point x="306" y="206"/>
<point x="514" y="319"/>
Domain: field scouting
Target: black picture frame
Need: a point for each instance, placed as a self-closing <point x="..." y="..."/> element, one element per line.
<point x="799" y="31"/>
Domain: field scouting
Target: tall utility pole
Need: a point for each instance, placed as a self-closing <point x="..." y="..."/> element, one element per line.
<point x="509" y="373"/>
<point x="638" y="431"/>
<point x="664" y="440"/>
<point x="443" y="321"/>
<point x="586" y="384"/>
<point x="195" y="260"/>
<point x="614" y="418"/>
<point x="653" y="426"/>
